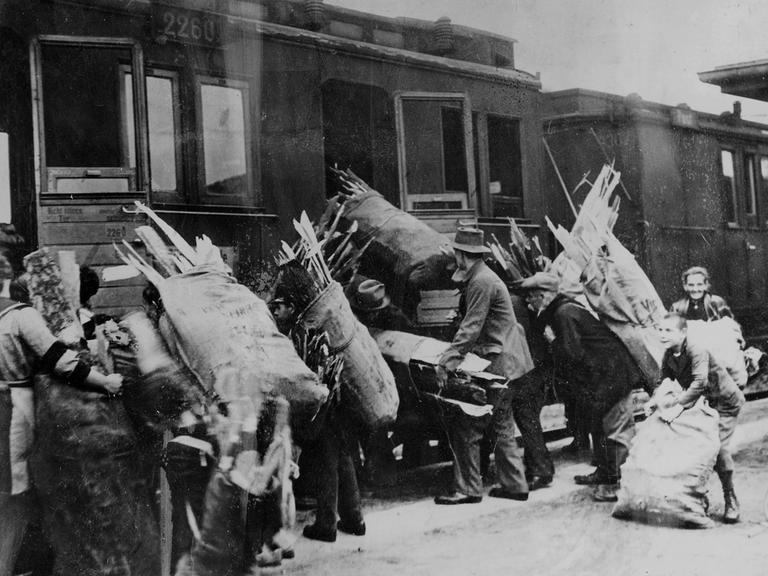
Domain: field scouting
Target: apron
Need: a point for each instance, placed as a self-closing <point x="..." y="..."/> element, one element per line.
<point x="17" y="424"/>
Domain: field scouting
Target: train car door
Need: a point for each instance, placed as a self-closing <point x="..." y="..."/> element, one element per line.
<point x="90" y="151"/>
<point x="435" y="157"/>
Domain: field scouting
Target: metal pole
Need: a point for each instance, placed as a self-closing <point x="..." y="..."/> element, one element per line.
<point x="559" y="177"/>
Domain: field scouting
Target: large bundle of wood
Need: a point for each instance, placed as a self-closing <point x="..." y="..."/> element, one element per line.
<point x="419" y="356"/>
<point x="217" y="325"/>
<point x="368" y="386"/>
<point x="404" y="253"/>
<point x="614" y="283"/>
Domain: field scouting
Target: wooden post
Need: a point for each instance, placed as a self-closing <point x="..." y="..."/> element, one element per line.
<point x="166" y="519"/>
<point x="559" y="177"/>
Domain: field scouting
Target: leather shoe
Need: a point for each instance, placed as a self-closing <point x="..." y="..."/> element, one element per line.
<point x="315" y="532"/>
<point x="354" y="528"/>
<point x="537" y="482"/>
<point x="592" y="479"/>
<point x="499" y="492"/>
<point x="457" y="498"/>
<point x="606" y="493"/>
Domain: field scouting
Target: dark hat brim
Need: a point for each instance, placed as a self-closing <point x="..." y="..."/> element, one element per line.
<point x="355" y="306"/>
<point x="472" y="249"/>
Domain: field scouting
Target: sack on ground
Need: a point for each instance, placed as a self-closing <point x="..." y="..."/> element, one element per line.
<point x="664" y="480"/>
<point x="368" y="386"/>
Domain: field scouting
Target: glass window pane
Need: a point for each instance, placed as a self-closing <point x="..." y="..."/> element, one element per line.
<point x="505" y="166"/>
<point x="161" y="130"/>
<point x="5" y="179"/>
<point x="223" y="110"/>
<point x="434" y="146"/>
<point x="82" y="90"/>
<point x="728" y="186"/>
<point x="454" y="150"/>
<point x="162" y="133"/>
<point x="749" y="184"/>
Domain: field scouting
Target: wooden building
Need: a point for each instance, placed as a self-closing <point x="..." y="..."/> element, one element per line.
<point x="224" y="114"/>
<point x="695" y="189"/>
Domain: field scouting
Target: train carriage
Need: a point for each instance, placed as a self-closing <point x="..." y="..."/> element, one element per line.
<point x="224" y="115"/>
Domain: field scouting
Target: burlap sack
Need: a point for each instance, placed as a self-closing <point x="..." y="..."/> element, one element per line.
<point x="217" y="325"/>
<point x="405" y="253"/>
<point x="664" y="480"/>
<point x="368" y="386"/>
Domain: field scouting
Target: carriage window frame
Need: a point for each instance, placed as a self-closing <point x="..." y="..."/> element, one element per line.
<point x="732" y="198"/>
<point x="161" y="194"/>
<point x="453" y="99"/>
<point x="250" y="197"/>
<point x="47" y="177"/>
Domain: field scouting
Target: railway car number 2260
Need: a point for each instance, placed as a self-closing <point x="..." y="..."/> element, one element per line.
<point x="185" y="26"/>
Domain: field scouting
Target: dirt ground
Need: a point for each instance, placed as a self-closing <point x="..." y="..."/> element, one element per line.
<point x="574" y="536"/>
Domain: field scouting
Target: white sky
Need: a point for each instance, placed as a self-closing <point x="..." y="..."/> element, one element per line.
<point x="652" y="47"/>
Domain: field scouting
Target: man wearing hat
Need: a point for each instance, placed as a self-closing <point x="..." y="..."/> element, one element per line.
<point x="489" y="329"/>
<point x="599" y="368"/>
<point x="372" y="306"/>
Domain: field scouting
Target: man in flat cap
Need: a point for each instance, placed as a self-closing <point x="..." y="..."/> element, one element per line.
<point x="601" y="371"/>
<point x="489" y="329"/>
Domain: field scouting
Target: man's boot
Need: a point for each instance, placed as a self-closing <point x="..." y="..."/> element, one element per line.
<point x="731" y="513"/>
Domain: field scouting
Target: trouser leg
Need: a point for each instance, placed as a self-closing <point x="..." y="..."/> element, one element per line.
<point x="15" y="512"/>
<point x="465" y="433"/>
<point x="726" y="428"/>
<point x="527" y="401"/>
<point x="328" y="456"/>
<point x="510" y="471"/>
<point x="348" y="491"/>
<point x="619" y="429"/>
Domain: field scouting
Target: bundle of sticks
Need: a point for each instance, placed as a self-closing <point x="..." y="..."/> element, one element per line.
<point x="321" y="254"/>
<point x="593" y="228"/>
<point x="170" y="260"/>
<point x="522" y="257"/>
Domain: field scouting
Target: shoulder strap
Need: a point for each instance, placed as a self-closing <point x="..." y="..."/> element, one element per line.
<point x="7" y="305"/>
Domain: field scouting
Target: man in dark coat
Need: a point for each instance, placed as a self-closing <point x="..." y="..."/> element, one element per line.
<point x="490" y="330"/>
<point x="598" y="365"/>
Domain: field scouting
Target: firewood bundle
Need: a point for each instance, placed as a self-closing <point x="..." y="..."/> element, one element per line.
<point x="522" y="257"/>
<point x="401" y="251"/>
<point x="614" y="283"/>
<point x="215" y="324"/>
<point x="368" y="387"/>
<point x="324" y="253"/>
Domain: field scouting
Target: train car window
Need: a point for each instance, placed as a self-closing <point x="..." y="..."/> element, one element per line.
<point x="454" y="149"/>
<point x="728" y="186"/>
<point x="750" y="194"/>
<point x="81" y="105"/>
<point x="434" y="134"/>
<point x="223" y="108"/>
<point x="5" y="179"/>
<point x="87" y="128"/>
<point x="505" y="171"/>
<point x="163" y="130"/>
<point x="764" y="184"/>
